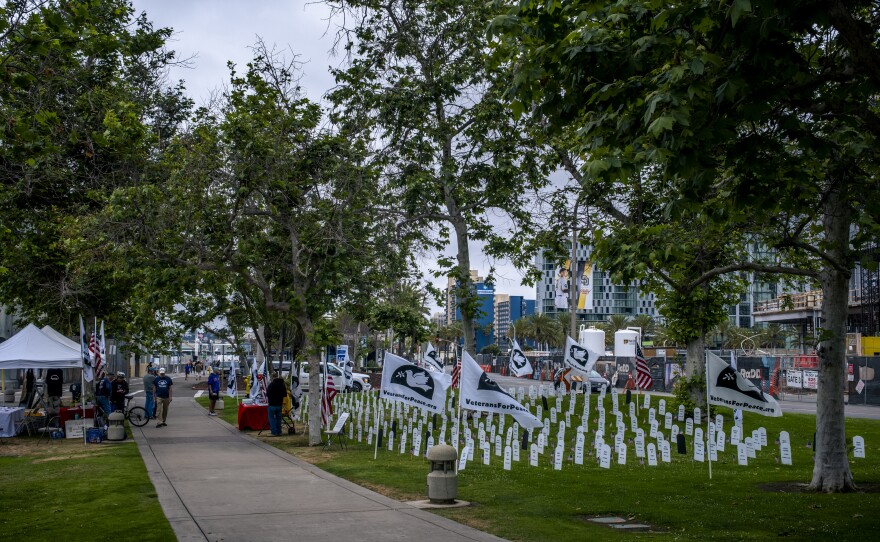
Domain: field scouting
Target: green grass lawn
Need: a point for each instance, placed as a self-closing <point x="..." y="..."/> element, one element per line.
<point x="68" y="490"/>
<point x="678" y="499"/>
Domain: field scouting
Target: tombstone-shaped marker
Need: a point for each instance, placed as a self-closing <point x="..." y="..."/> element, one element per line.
<point x="681" y="413"/>
<point x="742" y="454"/>
<point x="507" y="457"/>
<point x="665" y="452"/>
<point x="689" y="427"/>
<point x="720" y="440"/>
<point x="647" y="402"/>
<point x="652" y="455"/>
<point x="462" y="461"/>
<point x="557" y="457"/>
<point x="785" y="452"/>
<point x="667" y="421"/>
<point x="750" y="447"/>
<point x="605" y="457"/>
<point x="553" y="415"/>
<point x="403" y="443"/>
<point x="632" y="409"/>
<point x="579" y="451"/>
<point x="621" y="454"/>
<point x="762" y="434"/>
<point x="681" y="444"/>
<point x="698" y="416"/>
<point x="539" y="413"/>
<point x="515" y="453"/>
<point x="640" y="446"/>
<point x="654" y="428"/>
<point x="699" y="450"/>
<point x="533" y="455"/>
<point x="661" y="407"/>
<point x="735" y="435"/>
<point x="498" y="447"/>
<point x="713" y="451"/>
<point x="486" y="456"/>
<point x="471" y="448"/>
<point x="859" y="447"/>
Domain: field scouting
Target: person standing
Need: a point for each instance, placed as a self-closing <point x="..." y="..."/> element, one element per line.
<point x="187" y="369"/>
<point x="213" y="390"/>
<point x="162" y="385"/>
<point x="276" y="392"/>
<point x="120" y="390"/>
<point x="150" y="397"/>
<point x="54" y="387"/>
<point x="102" y="396"/>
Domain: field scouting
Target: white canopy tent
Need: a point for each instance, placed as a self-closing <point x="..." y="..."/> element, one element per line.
<point x="31" y="348"/>
<point x="53" y="334"/>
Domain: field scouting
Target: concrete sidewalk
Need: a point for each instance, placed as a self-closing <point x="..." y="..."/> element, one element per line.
<point x="215" y="483"/>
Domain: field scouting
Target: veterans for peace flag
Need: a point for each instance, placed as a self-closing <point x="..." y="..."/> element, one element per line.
<point x="519" y="363"/>
<point x="479" y="392"/>
<point x="729" y="388"/>
<point x="430" y="359"/>
<point x="408" y="383"/>
<point x="578" y="357"/>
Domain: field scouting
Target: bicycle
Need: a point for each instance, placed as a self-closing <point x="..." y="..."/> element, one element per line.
<point x="136" y="415"/>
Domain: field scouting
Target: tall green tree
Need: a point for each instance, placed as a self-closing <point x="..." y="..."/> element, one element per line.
<point x="760" y="119"/>
<point x="265" y="202"/>
<point x="420" y="79"/>
<point x="84" y="110"/>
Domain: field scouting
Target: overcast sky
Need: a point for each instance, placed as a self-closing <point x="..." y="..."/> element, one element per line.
<point x="215" y="32"/>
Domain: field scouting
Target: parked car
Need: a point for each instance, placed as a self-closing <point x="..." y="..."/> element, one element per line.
<point x="284" y="367"/>
<point x="597" y="381"/>
<point x="359" y="381"/>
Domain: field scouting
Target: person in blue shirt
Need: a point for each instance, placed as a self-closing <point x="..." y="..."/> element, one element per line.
<point x="150" y="398"/>
<point x="102" y="394"/>
<point x="162" y="385"/>
<point x="213" y="390"/>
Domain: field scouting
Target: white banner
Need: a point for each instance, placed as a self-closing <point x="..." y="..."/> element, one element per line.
<point x="479" y="392"/>
<point x="408" y="383"/>
<point x="430" y="359"/>
<point x="793" y="379"/>
<point x="519" y="363"/>
<point x="811" y="380"/>
<point x="578" y="357"/>
<point x="728" y="388"/>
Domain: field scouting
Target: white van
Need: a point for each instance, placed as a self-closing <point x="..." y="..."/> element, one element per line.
<point x="359" y="381"/>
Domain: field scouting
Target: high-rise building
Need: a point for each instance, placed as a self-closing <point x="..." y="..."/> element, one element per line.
<point x="509" y="309"/>
<point x="604" y="298"/>
<point x="451" y="297"/>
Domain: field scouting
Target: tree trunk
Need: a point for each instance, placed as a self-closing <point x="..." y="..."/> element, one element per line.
<point x="465" y="287"/>
<point x="314" y="383"/>
<point x="695" y="367"/>
<point x="831" y="471"/>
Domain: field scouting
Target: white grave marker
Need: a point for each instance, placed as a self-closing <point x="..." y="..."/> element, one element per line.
<point x="859" y="447"/>
<point x="681" y="413"/>
<point x="652" y="455"/>
<point x="507" y="454"/>
<point x="742" y="455"/>
<point x="605" y="458"/>
<point x="533" y="455"/>
<point x="689" y="427"/>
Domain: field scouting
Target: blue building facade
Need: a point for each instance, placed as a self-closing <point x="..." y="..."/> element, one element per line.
<point x="485" y="319"/>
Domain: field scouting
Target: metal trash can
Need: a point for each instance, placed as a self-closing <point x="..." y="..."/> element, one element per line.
<point x="443" y="479"/>
<point x="116" y="429"/>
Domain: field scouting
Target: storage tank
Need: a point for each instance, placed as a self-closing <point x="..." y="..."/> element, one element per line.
<point x="592" y="339"/>
<point x="625" y="343"/>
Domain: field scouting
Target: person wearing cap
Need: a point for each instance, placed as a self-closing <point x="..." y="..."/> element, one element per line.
<point x="120" y="390"/>
<point x="162" y="386"/>
<point x="213" y="390"/>
<point x="275" y="394"/>
<point x="102" y="394"/>
<point x="149" y="396"/>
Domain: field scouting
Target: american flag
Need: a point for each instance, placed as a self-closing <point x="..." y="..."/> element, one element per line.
<point x="456" y="374"/>
<point x="327" y="401"/>
<point x="643" y="374"/>
<point x="95" y="354"/>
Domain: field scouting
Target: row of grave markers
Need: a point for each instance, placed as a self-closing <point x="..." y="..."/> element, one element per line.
<point x="407" y="429"/>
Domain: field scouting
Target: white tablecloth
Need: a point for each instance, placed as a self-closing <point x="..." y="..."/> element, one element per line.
<point x="8" y="417"/>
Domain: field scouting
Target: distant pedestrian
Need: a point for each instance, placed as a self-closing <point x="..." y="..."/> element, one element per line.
<point x="120" y="390"/>
<point x="163" y="384"/>
<point x="187" y="369"/>
<point x="276" y="392"/>
<point x="213" y="390"/>
<point x="149" y="392"/>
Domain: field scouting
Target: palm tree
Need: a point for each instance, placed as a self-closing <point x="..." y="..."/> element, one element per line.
<point x="613" y="324"/>
<point x="773" y="336"/>
<point x="645" y="322"/>
<point x="546" y="330"/>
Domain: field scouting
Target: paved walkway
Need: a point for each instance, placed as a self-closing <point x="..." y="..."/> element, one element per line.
<point x="215" y="483"/>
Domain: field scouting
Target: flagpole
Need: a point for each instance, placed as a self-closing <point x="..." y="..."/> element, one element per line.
<point x="376" y="429"/>
<point x="706" y="363"/>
